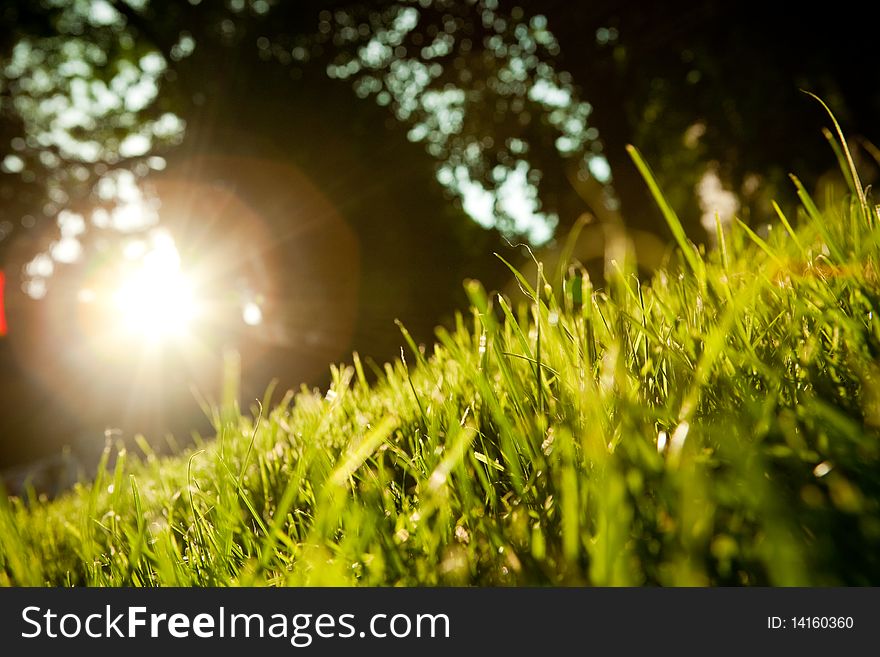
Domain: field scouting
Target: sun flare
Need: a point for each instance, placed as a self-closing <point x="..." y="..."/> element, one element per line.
<point x="154" y="299"/>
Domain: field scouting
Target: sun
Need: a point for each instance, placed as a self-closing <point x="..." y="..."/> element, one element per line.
<point x="154" y="299"/>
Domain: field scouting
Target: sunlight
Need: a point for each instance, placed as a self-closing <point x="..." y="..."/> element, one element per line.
<point x="155" y="300"/>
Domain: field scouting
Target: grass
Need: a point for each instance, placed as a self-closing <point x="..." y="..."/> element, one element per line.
<point x="716" y="425"/>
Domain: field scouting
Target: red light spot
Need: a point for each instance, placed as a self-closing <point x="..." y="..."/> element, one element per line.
<point x="2" y="309"/>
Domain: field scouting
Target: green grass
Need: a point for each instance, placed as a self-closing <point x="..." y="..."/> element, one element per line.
<point x="717" y="424"/>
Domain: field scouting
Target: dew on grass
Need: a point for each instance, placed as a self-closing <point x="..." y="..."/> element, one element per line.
<point x="661" y="441"/>
<point x="454" y="561"/>
<point x="438" y="478"/>
<point x="678" y="437"/>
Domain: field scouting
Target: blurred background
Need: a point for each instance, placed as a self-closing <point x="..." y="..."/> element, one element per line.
<point x="191" y="187"/>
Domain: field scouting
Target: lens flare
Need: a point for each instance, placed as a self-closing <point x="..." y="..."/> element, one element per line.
<point x="155" y="300"/>
<point x="252" y="314"/>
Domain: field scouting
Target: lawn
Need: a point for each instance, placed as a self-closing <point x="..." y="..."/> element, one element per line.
<point x="714" y="425"/>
